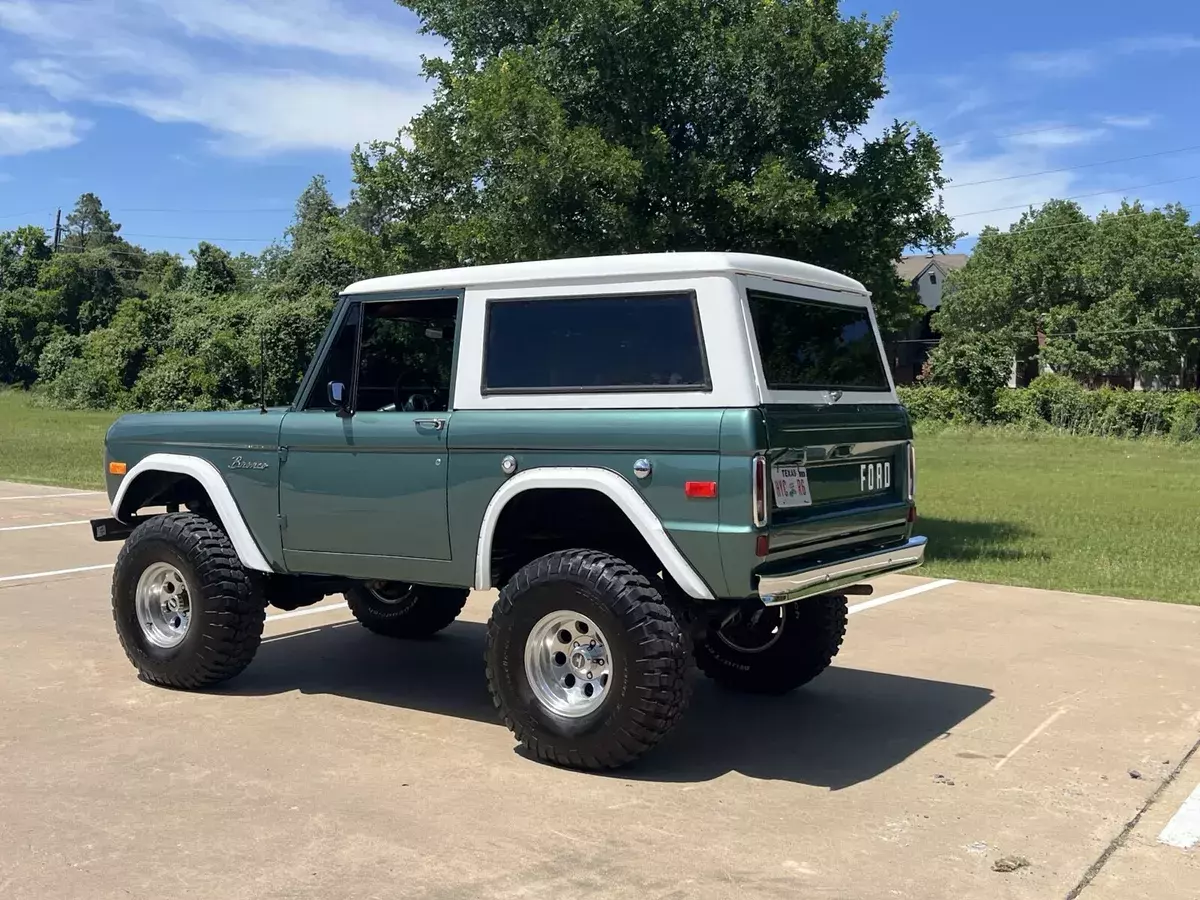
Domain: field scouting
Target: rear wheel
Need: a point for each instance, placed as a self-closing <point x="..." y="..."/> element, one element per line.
<point x="773" y="650"/>
<point x="186" y="611"/>
<point x="586" y="664"/>
<point x="400" y="610"/>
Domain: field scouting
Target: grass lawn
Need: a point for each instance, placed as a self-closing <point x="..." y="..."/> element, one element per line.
<point x="1084" y="514"/>
<point x="51" y="446"/>
<point x="1047" y="510"/>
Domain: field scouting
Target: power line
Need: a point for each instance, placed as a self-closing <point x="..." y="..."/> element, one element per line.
<point x="1097" y="221"/>
<point x="1135" y="187"/>
<point x="1107" y="162"/>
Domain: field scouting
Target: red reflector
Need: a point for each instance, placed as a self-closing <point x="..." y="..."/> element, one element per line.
<point x="912" y="514"/>
<point x="760" y="546"/>
<point x="700" y="489"/>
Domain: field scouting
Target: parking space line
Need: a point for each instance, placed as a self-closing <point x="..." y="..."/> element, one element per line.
<point x="899" y="595"/>
<point x="47" y="525"/>
<point x="53" y="496"/>
<point x="1030" y="739"/>
<point x="310" y="611"/>
<point x="1183" y="831"/>
<point x="34" y="575"/>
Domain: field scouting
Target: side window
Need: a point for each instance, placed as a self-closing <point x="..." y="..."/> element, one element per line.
<point x="643" y="342"/>
<point x="407" y="356"/>
<point x="339" y="363"/>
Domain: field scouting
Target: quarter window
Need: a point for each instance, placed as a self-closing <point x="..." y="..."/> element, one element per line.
<point x="640" y="342"/>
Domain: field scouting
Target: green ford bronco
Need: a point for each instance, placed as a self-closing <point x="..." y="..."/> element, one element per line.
<point x="657" y="459"/>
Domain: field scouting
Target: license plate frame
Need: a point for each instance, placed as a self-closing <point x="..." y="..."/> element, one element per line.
<point x="790" y="486"/>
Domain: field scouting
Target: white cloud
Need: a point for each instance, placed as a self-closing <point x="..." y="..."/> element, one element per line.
<point x="1063" y="63"/>
<point x="1131" y="122"/>
<point x="262" y="76"/>
<point x="1058" y="136"/>
<point x="282" y="111"/>
<point x="1074" y="62"/>
<point x="28" y="132"/>
<point x="321" y="25"/>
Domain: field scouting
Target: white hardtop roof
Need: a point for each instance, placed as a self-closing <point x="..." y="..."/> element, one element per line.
<point x="634" y="266"/>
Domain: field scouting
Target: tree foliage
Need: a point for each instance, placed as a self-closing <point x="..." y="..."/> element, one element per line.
<point x="576" y="127"/>
<point x="1117" y="297"/>
<point x="104" y="323"/>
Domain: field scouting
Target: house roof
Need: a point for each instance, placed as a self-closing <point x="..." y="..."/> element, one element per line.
<point x="910" y="268"/>
<point x="634" y="265"/>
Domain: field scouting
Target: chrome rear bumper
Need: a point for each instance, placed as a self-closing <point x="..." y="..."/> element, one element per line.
<point x="779" y="589"/>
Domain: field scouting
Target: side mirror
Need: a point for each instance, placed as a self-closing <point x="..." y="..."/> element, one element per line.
<point x="337" y="397"/>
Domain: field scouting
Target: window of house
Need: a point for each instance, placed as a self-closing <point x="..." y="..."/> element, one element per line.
<point x="641" y="342"/>
<point x="932" y="278"/>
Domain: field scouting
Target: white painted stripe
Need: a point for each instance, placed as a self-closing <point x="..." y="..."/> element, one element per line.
<point x="35" y="575"/>
<point x="48" y="525"/>
<point x="307" y="611"/>
<point x="1032" y="736"/>
<point x="899" y="595"/>
<point x="52" y="496"/>
<point x="1183" y="831"/>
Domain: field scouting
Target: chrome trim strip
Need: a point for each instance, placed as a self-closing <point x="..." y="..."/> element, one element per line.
<point x="781" y="589"/>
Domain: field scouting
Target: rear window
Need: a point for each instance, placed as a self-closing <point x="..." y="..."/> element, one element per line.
<point x="642" y="342"/>
<point x="806" y="345"/>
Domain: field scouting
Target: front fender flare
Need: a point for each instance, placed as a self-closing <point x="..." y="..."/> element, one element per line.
<point x="613" y="486"/>
<point x="218" y="492"/>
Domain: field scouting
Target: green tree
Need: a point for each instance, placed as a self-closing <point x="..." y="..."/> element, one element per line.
<point x="214" y="271"/>
<point x="89" y="225"/>
<point x="23" y="252"/>
<point x="1118" y="296"/>
<point x="607" y="126"/>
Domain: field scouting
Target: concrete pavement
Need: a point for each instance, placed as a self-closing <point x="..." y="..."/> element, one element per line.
<point x="960" y="725"/>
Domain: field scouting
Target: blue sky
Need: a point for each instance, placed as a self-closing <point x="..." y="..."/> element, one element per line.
<point x="203" y="119"/>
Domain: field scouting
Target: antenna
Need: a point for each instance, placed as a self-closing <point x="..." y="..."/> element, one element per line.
<point x="262" y="372"/>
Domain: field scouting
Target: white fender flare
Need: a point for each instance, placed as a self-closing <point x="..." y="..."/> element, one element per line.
<point x="611" y="485"/>
<point x="218" y="492"/>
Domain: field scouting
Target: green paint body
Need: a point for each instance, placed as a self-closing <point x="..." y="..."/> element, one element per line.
<point x="379" y="495"/>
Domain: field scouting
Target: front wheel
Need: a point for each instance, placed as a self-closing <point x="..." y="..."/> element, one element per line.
<point x="773" y="650"/>
<point x="186" y="611"/>
<point x="586" y="664"/>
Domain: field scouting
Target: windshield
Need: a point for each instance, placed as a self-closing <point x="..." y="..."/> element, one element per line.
<point x="810" y="345"/>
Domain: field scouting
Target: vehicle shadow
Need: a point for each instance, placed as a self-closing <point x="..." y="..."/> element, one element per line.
<point x="846" y="727"/>
<point x="966" y="541"/>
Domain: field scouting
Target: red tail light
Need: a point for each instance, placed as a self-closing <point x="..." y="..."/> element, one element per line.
<point x="760" y="492"/>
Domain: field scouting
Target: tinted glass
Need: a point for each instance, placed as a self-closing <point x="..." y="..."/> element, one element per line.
<point x="338" y="364"/>
<point x="640" y="342"/>
<point x="407" y="356"/>
<point x="808" y="345"/>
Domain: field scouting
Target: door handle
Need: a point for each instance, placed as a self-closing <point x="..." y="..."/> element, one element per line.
<point x="435" y="424"/>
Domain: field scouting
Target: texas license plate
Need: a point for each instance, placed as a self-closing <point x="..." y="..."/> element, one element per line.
<point x="791" y="486"/>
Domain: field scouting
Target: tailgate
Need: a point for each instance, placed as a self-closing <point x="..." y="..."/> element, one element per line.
<point x="835" y="471"/>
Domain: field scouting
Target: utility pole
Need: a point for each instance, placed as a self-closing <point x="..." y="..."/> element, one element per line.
<point x="57" y="230"/>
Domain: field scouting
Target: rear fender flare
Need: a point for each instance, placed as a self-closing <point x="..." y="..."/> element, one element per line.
<point x="613" y="486"/>
<point x="218" y="492"/>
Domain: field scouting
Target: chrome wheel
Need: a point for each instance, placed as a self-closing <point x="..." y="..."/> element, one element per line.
<point x="568" y="664"/>
<point x="164" y="605"/>
<point x="755" y="632"/>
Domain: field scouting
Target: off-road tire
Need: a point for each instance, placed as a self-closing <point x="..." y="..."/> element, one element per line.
<point x="649" y="651"/>
<point x="227" y="612"/>
<point x="812" y="634"/>
<point x="422" y="615"/>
